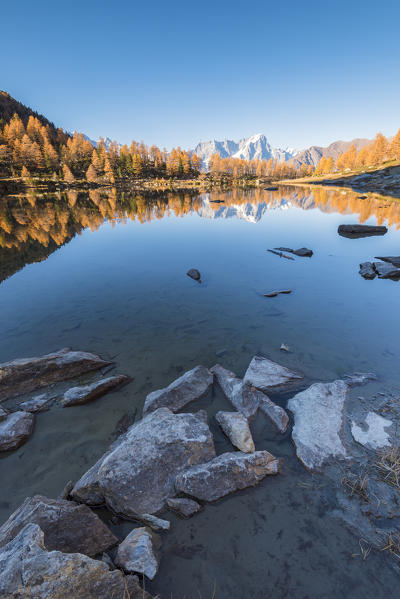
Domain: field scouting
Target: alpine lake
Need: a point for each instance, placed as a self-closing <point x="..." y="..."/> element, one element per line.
<point x="105" y="272"/>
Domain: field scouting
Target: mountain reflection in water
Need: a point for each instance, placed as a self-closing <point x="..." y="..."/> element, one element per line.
<point x="35" y="225"/>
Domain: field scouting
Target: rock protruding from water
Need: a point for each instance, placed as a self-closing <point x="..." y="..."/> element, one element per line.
<point x="136" y="476"/>
<point x="193" y="273"/>
<point x="278" y="292"/>
<point x="385" y="270"/>
<point x="183" y="507"/>
<point x="136" y="555"/>
<point x="29" y="571"/>
<point x="26" y="374"/>
<point x="3" y="414"/>
<point x="66" y="526"/>
<point x="318" y="432"/>
<point x="40" y="403"/>
<point x="236" y="428"/>
<point x="15" y="430"/>
<point x="373" y="434"/>
<point x="355" y="231"/>
<point x="192" y="385"/>
<point x="247" y="399"/>
<point x="269" y="376"/>
<point x="301" y="252"/>
<point x="367" y="270"/>
<point x="395" y="260"/>
<point x="225" y="474"/>
<point x="77" y="396"/>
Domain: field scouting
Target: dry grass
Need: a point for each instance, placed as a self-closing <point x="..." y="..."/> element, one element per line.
<point x="388" y="465"/>
<point x="357" y="484"/>
<point x="392" y="544"/>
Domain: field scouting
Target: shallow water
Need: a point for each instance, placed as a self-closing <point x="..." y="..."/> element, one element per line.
<point x="118" y="287"/>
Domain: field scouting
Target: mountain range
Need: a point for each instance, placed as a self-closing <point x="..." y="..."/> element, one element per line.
<point x="257" y="147"/>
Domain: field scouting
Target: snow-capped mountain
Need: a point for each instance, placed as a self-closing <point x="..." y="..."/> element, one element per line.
<point x="256" y="147"/>
<point x="106" y="140"/>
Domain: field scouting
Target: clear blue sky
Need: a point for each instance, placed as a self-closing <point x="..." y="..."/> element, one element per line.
<point x="172" y="73"/>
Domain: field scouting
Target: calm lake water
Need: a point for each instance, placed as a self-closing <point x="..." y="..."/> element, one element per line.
<point x="107" y="274"/>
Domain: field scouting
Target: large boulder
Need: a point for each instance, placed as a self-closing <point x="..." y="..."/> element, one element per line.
<point x="225" y="474"/>
<point x="15" y="430"/>
<point x="136" y="476"/>
<point x="26" y="374"/>
<point x="191" y="386"/>
<point x="66" y="526"/>
<point x="136" y="554"/>
<point x="269" y="376"/>
<point x="86" y="393"/>
<point x="318" y="431"/>
<point x="236" y="428"/>
<point x="246" y="399"/>
<point x="29" y="571"/>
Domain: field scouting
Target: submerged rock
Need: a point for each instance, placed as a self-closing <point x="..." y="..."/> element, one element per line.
<point x="318" y="431"/>
<point x="193" y="273"/>
<point x="357" y="379"/>
<point x="40" y="403"/>
<point x="184" y="507"/>
<point x="375" y="435"/>
<point x="225" y="474"/>
<point x="136" y="476"/>
<point x="27" y="374"/>
<point x="367" y="270"/>
<point x="135" y="553"/>
<point x="15" y="430"/>
<point x="189" y="387"/>
<point x="86" y="393"/>
<point x="248" y="400"/>
<point x="270" y="376"/>
<point x="355" y="231"/>
<point x="29" y="571"/>
<point x="66" y="526"/>
<point x="236" y="428"/>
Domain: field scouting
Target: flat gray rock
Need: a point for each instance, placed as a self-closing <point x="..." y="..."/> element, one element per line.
<point x="66" y="526"/>
<point x="268" y="376"/>
<point x="136" y="554"/>
<point x="367" y="270"/>
<point x="136" y="476"/>
<point x="26" y="374"/>
<point x="183" y="507"/>
<point x="15" y="430"/>
<point x="80" y="395"/>
<point x="318" y="431"/>
<point x="275" y="413"/>
<point x="242" y="397"/>
<point x="225" y="474"/>
<point x="373" y="434"/>
<point x="40" y="403"/>
<point x="189" y="387"/>
<point x="29" y="571"/>
<point x="247" y="399"/>
<point x="236" y="428"/>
